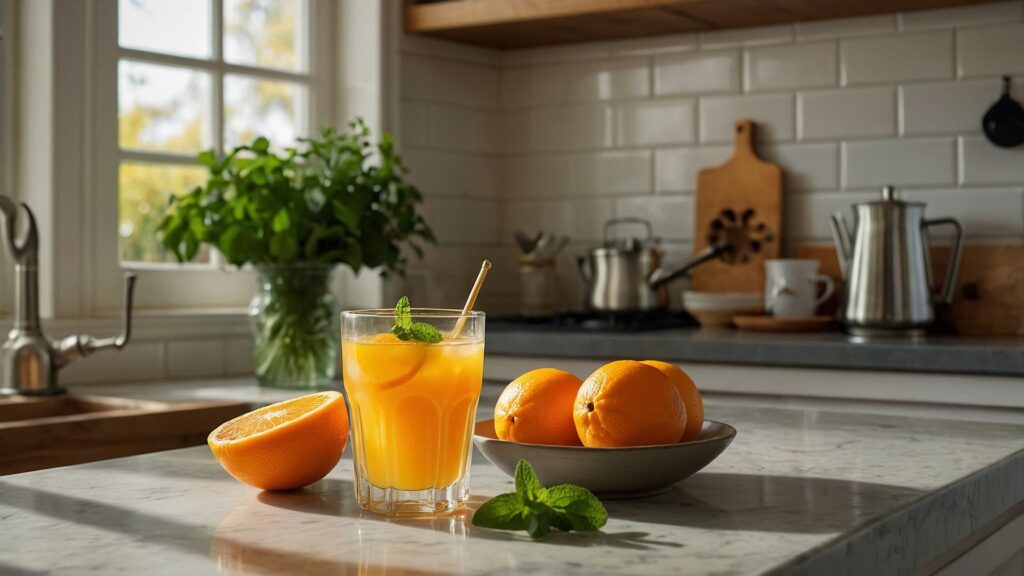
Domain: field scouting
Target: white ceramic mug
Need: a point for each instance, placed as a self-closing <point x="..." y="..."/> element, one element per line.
<point x="791" y="288"/>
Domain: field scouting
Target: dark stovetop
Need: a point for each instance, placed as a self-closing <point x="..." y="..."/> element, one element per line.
<point x="594" y="321"/>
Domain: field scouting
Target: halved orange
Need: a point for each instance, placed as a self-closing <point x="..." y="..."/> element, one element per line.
<point x="286" y="445"/>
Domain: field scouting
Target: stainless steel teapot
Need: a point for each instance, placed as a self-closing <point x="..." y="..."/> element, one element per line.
<point x="887" y="269"/>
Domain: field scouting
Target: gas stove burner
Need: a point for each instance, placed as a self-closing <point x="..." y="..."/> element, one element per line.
<point x="594" y="322"/>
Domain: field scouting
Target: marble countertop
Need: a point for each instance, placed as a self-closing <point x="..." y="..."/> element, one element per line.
<point x="799" y="491"/>
<point x="949" y="354"/>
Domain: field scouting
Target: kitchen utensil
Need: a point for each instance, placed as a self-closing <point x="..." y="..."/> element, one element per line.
<point x="1004" y="122"/>
<point x="616" y="273"/>
<point x="624" y="274"/>
<point x="609" y="473"/>
<point x="764" y="323"/>
<point x="716" y="309"/>
<point x="791" y="287"/>
<point x="538" y="287"/>
<point x="526" y="243"/>
<point x="738" y="204"/>
<point x="886" y="266"/>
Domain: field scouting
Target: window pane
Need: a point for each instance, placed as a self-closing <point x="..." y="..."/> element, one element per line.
<point x="143" y="191"/>
<point x="163" y="107"/>
<point x="265" y="33"/>
<point x="256" y="107"/>
<point x="180" y="27"/>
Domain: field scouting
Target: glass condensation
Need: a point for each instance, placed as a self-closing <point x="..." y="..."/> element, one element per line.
<point x="412" y="407"/>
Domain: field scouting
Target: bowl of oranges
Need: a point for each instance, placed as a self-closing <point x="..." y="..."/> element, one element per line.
<point x="631" y="429"/>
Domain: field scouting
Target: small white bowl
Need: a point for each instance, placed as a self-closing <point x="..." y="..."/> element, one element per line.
<point x="716" y="309"/>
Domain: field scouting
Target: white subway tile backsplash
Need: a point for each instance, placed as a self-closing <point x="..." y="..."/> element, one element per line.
<point x="697" y="73"/>
<point x="617" y="79"/>
<point x="990" y="50"/>
<point x="986" y="212"/>
<point x="746" y="37"/>
<point x="462" y="220"/>
<point x="806" y="166"/>
<point x="946" y="107"/>
<point x="449" y="81"/>
<point x="195" y="358"/>
<point x="139" y="362"/>
<point x="993" y="13"/>
<point x="984" y="163"/>
<point x="671" y="217"/>
<point x="582" y="219"/>
<point x="460" y="128"/>
<point x="565" y="138"/>
<point x="878" y="59"/>
<point x="919" y="162"/>
<point x="580" y="127"/>
<point x="847" y="113"/>
<point x="676" y="169"/>
<point x="807" y="216"/>
<point x="413" y="123"/>
<point x="442" y="173"/>
<point x="656" y="122"/>
<point x="773" y="114"/>
<point x="238" y="357"/>
<point x="626" y="172"/>
<point x="535" y="176"/>
<point x="790" y="66"/>
<point x="534" y="86"/>
<point x="863" y="26"/>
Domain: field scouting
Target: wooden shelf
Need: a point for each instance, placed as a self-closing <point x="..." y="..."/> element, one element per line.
<point x="524" y="23"/>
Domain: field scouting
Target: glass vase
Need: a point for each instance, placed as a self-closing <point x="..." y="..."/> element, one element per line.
<point x="295" y="325"/>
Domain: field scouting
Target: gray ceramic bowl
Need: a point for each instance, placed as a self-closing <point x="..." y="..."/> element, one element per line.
<point x="632" y="472"/>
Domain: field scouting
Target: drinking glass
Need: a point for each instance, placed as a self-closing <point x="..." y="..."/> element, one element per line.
<point x="413" y="407"/>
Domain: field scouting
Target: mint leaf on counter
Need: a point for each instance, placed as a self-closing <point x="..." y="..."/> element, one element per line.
<point x="405" y="329"/>
<point x="537" y="509"/>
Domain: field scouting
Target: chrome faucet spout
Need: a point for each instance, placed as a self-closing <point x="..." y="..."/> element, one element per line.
<point x="28" y="360"/>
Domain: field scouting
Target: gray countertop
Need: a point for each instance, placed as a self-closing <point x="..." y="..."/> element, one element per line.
<point x="799" y="491"/>
<point x="950" y="354"/>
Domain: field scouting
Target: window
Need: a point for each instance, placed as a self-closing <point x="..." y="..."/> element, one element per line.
<point x="184" y="76"/>
<point x="196" y="74"/>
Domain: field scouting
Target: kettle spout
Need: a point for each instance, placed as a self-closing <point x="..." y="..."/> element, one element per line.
<point x="843" y="241"/>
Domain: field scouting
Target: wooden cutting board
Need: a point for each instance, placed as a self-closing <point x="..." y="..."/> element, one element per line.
<point x="739" y="201"/>
<point x="989" y="294"/>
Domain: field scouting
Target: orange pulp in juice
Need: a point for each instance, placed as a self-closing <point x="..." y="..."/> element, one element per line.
<point x="413" y="407"/>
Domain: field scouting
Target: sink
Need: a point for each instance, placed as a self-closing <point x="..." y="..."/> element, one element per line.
<point x="45" y="432"/>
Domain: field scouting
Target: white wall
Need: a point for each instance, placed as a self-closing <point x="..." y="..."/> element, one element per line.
<point x="565" y="138"/>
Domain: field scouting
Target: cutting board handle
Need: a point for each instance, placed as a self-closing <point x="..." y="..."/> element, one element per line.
<point x="744" y="138"/>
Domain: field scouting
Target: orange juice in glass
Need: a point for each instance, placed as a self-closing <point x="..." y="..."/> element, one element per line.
<point x="413" y="406"/>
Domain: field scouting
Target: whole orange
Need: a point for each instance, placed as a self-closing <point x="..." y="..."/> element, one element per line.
<point x="691" y="397"/>
<point x="286" y="445"/>
<point x="536" y="408"/>
<point x="626" y="403"/>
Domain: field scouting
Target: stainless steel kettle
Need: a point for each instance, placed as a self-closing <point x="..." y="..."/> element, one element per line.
<point x="887" y="269"/>
<point x="625" y="274"/>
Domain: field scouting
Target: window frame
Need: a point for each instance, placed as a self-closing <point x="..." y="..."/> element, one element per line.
<point x="209" y="286"/>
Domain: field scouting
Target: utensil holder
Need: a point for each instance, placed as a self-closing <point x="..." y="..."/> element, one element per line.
<point x="538" y="283"/>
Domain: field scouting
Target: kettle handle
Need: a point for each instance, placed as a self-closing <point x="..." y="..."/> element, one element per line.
<point x="628" y="220"/>
<point x="586" y="270"/>
<point x="945" y="296"/>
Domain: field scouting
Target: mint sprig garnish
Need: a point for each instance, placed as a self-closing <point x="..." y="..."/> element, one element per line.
<point x="405" y="329"/>
<point x="537" y="509"/>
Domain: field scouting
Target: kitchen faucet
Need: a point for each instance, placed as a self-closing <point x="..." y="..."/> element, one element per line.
<point x="28" y="360"/>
